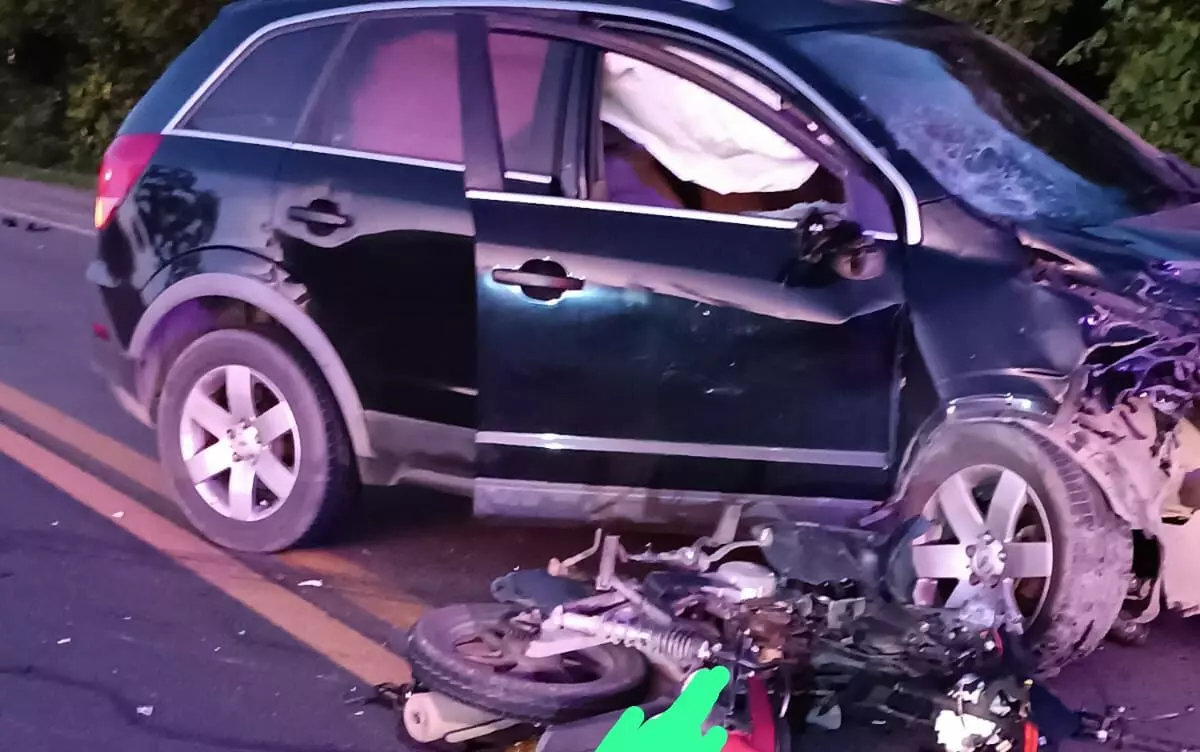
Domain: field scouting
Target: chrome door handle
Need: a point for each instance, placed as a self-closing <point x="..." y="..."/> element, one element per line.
<point x="518" y="278"/>
<point x="310" y="216"/>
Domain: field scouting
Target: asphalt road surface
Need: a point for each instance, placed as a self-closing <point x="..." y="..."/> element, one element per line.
<point x="121" y="630"/>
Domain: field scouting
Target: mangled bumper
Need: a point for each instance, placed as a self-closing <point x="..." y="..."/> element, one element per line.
<point x="1128" y="414"/>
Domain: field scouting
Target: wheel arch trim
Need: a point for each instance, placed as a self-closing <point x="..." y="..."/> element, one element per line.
<point x="289" y="315"/>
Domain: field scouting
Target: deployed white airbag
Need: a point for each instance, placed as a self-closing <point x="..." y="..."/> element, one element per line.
<point x="695" y="134"/>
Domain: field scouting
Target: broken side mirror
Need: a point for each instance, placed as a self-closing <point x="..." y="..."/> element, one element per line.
<point x="831" y="248"/>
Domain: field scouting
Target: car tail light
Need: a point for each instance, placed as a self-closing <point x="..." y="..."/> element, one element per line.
<point x="123" y="164"/>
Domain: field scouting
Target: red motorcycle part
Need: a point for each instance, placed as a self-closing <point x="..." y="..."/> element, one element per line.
<point x="762" y="723"/>
<point x="1031" y="738"/>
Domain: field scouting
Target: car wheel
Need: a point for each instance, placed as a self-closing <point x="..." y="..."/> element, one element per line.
<point x="1018" y="521"/>
<point x="253" y="442"/>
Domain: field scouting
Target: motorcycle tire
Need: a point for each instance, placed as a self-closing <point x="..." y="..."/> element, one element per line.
<point x="618" y="674"/>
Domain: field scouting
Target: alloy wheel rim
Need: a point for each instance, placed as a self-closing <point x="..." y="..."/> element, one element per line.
<point x="492" y="648"/>
<point x="990" y="543"/>
<point x="240" y="443"/>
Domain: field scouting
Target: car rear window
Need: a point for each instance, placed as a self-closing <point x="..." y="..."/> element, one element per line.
<point x="264" y="95"/>
<point x="395" y="91"/>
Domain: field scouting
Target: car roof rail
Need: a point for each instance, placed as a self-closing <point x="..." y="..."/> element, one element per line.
<point x="713" y="4"/>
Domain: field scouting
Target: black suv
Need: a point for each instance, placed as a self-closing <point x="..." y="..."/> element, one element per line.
<point x="489" y="246"/>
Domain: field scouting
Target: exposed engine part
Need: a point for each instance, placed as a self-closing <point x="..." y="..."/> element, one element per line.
<point x="674" y="644"/>
<point x="844" y="611"/>
<point x="775" y="634"/>
<point x="959" y="732"/>
<point x="431" y="717"/>
<point x="750" y="581"/>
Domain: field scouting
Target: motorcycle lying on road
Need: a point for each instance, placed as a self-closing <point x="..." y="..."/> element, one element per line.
<point x="825" y="633"/>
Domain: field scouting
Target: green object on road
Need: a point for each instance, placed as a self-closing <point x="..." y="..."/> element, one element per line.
<point x="679" y="727"/>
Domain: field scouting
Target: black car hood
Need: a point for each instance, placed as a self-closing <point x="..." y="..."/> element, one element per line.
<point x="1171" y="235"/>
<point x="1151" y="262"/>
<point x="1082" y="293"/>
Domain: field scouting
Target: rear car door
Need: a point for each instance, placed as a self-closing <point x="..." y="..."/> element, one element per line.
<point x="202" y="200"/>
<point x="635" y="361"/>
<point x="372" y="219"/>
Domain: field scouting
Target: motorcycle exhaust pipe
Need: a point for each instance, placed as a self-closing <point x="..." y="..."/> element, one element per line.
<point x="431" y="717"/>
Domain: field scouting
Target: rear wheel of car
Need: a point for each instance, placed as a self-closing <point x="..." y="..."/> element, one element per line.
<point x="253" y="442"/>
<point x="1018" y="521"/>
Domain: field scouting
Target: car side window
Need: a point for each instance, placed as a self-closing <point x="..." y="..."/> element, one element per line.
<point x="668" y="142"/>
<point x="530" y="78"/>
<point x="265" y="93"/>
<point x="394" y="91"/>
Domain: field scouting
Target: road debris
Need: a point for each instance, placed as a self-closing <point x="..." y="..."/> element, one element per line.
<point x="118" y="515"/>
<point x="1169" y="716"/>
<point x="65" y="641"/>
<point x="145" y="710"/>
<point x="312" y="583"/>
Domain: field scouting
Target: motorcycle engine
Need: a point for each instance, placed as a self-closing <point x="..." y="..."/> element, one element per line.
<point x="742" y="581"/>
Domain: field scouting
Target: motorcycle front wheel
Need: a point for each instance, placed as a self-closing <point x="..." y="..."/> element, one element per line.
<point x="470" y="653"/>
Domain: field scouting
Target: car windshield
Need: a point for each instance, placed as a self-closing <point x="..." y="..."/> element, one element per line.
<point x="988" y="127"/>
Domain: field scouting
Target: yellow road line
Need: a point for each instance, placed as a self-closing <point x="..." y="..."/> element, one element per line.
<point x="107" y="451"/>
<point x="358" y="655"/>
<point x="367" y="591"/>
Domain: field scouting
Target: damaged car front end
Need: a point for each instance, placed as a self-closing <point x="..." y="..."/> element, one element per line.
<point x="1110" y="380"/>
<point x="1128" y="415"/>
<point x="1055" y="309"/>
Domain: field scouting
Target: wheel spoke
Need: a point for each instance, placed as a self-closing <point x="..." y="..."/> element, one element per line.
<point x="239" y="388"/>
<point x="941" y="562"/>
<point x="275" y="423"/>
<point x="1007" y="502"/>
<point x="210" y="461"/>
<point x="959" y="508"/>
<point x="275" y="475"/>
<point x="1028" y="560"/>
<point x="241" y="491"/>
<point x="963" y="592"/>
<point x="207" y="414"/>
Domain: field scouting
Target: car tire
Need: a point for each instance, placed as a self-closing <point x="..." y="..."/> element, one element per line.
<point x="1033" y="484"/>
<point x="283" y="472"/>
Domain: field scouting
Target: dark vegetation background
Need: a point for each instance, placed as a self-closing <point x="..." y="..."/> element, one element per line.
<point x="71" y="69"/>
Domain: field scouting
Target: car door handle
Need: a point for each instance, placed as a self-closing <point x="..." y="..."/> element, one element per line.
<point x="311" y="216"/>
<point x="518" y="278"/>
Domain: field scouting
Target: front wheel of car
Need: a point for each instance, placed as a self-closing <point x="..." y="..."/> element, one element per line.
<point x="253" y="442"/>
<point x="1018" y="521"/>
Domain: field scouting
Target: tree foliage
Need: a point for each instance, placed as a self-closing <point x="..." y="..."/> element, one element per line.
<point x="1138" y="58"/>
<point x="71" y="69"/>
